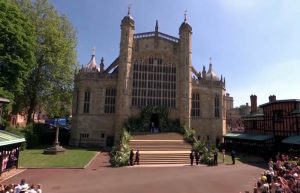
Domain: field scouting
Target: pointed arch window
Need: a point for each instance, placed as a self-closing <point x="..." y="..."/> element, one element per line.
<point x="86" y="103"/>
<point x="217" y="106"/>
<point x="110" y="100"/>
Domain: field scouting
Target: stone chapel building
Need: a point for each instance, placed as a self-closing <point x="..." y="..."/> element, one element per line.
<point x="152" y="69"/>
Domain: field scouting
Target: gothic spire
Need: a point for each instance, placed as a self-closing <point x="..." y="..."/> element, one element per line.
<point x="156" y="26"/>
<point x="102" y="65"/>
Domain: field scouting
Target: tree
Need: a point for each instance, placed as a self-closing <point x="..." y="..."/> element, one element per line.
<point x="17" y="45"/>
<point x="50" y="82"/>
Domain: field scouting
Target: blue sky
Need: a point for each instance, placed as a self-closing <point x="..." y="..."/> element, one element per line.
<point x="255" y="44"/>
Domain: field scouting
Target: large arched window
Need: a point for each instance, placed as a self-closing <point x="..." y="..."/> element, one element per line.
<point x="154" y="83"/>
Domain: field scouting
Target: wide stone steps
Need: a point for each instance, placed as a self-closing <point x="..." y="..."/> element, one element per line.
<point x="164" y="158"/>
<point x="162" y="148"/>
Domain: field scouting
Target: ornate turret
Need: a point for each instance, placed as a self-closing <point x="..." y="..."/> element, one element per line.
<point x="185" y="76"/>
<point x="124" y="82"/>
<point x="185" y="26"/>
<point x="92" y="65"/>
<point x="128" y="19"/>
<point x="211" y="75"/>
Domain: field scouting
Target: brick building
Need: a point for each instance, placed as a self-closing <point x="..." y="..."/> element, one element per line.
<point x="276" y="123"/>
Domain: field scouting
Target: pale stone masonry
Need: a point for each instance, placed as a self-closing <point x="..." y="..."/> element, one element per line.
<point x="152" y="69"/>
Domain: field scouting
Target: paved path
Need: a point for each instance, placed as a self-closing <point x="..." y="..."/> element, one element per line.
<point x="98" y="177"/>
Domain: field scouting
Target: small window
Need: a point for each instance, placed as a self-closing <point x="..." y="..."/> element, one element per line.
<point x="102" y="135"/>
<point x="84" y="135"/>
<point x="278" y="116"/>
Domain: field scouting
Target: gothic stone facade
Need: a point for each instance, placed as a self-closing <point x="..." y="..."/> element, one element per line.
<point x="152" y="69"/>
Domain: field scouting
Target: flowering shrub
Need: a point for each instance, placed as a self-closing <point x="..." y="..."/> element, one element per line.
<point x="119" y="156"/>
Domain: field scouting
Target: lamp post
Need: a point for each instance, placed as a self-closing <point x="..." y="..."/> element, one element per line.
<point x="56" y="148"/>
<point x="56" y="142"/>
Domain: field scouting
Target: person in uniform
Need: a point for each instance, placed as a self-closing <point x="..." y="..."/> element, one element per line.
<point x="137" y="157"/>
<point x="192" y="157"/>
<point x="197" y="157"/>
<point x="131" y="157"/>
<point x="215" y="157"/>
<point x="233" y="156"/>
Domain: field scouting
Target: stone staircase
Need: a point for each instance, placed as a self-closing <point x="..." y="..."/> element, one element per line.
<point x="161" y="148"/>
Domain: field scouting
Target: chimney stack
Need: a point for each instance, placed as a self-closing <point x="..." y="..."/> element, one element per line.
<point x="253" y="99"/>
<point x="272" y="98"/>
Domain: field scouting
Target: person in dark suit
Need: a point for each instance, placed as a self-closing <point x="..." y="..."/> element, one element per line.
<point x="197" y="157"/>
<point x="137" y="157"/>
<point x="131" y="157"/>
<point x="216" y="158"/>
<point x="192" y="157"/>
<point x="233" y="156"/>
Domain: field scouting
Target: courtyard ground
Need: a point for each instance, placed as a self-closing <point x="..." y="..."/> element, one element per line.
<point x="99" y="177"/>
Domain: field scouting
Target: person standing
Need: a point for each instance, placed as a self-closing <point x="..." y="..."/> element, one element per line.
<point x="215" y="157"/>
<point x="137" y="157"/>
<point x="197" y="157"/>
<point x="39" y="188"/>
<point x="152" y="127"/>
<point x="233" y="156"/>
<point x="22" y="187"/>
<point x="270" y="164"/>
<point x="131" y="157"/>
<point x="223" y="155"/>
<point x="192" y="157"/>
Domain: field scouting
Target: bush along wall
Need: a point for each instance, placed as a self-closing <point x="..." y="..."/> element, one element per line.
<point x="119" y="156"/>
<point x="206" y="152"/>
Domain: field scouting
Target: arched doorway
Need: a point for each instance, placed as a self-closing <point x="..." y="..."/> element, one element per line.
<point x="154" y="123"/>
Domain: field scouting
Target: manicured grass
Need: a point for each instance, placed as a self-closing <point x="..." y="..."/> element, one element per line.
<point x="71" y="158"/>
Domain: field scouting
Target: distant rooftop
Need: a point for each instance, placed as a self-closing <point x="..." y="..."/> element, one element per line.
<point x="7" y="138"/>
<point x="4" y="100"/>
<point x="280" y="101"/>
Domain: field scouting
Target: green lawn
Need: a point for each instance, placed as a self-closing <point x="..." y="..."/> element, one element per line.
<point x="71" y="158"/>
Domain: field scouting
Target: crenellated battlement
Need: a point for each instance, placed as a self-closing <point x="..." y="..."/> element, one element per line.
<point x="88" y="74"/>
<point x="208" y="83"/>
<point x="154" y="34"/>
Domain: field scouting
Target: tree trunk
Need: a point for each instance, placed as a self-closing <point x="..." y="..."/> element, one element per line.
<point x="31" y="110"/>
